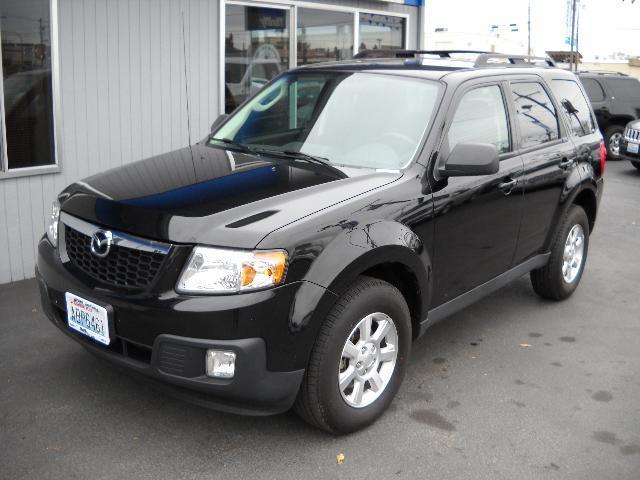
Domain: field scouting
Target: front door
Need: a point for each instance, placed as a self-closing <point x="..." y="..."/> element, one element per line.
<point x="477" y="218"/>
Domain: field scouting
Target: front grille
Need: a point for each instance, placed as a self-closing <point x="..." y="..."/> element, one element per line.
<point x="632" y="135"/>
<point x="122" y="267"/>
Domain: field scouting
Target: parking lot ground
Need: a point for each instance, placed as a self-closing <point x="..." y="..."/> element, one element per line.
<point x="513" y="387"/>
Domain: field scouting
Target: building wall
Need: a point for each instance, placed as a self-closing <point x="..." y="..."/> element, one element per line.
<point x="123" y="98"/>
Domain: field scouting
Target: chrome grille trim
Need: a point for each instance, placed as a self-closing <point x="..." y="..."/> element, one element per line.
<point x="120" y="239"/>
<point x="632" y="135"/>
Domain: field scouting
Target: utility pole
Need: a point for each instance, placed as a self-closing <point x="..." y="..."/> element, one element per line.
<point x="573" y="32"/>
<point x="529" y="28"/>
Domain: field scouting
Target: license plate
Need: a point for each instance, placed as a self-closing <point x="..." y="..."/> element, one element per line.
<point x="88" y="318"/>
<point x="632" y="147"/>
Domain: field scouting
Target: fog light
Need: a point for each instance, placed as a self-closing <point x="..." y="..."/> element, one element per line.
<point x="220" y="363"/>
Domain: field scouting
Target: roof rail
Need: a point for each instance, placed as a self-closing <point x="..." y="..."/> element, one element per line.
<point x="483" y="59"/>
<point x="603" y="72"/>
<point x="493" y="59"/>
<point x="401" y="53"/>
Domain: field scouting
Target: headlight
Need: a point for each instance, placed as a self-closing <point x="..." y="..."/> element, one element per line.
<point x="52" y="224"/>
<point x="217" y="270"/>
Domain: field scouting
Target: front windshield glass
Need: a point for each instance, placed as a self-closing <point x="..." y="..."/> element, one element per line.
<point x="350" y="119"/>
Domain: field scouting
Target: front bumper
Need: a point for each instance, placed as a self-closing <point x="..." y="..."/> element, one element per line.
<point x="164" y="337"/>
<point x="633" y="157"/>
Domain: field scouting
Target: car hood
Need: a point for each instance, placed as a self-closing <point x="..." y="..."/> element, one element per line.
<point x="213" y="196"/>
<point x="635" y="125"/>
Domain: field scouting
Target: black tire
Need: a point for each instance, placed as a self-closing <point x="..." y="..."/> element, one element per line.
<point x="320" y="401"/>
<point x="548" y="281"/>
<point x="636" y="164"/>
<point x="610" y="132"/>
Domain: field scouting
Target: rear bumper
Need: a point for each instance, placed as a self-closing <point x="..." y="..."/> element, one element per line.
<point x="176" y="362"/>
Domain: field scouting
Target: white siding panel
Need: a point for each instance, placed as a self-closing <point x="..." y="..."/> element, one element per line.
<point x="11" y="202"/>
<point x="5" y="267"/>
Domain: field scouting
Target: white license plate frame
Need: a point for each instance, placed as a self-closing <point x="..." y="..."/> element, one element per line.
<point x="89" y="318"/>
<point x="633" y="147"/>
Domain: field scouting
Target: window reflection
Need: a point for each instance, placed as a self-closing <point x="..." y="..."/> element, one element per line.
<point x="324" y="36"/>
<point x="26" y="76"/>
<point x="381" y="31"/>
<point x="256" y="50"/>
<point x="536" y="114"/>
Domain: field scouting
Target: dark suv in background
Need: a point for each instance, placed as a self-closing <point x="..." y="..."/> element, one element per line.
<point x="615" y="98"/>
<point x="291" y="257"/>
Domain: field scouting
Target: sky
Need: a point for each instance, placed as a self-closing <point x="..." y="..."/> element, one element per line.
<point x="606" y="26"/>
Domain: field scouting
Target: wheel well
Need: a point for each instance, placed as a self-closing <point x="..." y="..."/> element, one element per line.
<point x="404" y="280"/>
<point x="587" y="200"/>
<point x="620" y="121"/>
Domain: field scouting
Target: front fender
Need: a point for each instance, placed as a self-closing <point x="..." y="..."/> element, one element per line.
<point x="354" y="251"/>
<point x="340" y="261"/>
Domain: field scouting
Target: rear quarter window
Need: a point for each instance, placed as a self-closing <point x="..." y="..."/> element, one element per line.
<point x="594" y="89"/>
<point x="575" y="105"/>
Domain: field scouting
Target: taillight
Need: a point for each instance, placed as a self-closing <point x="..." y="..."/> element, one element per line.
<point x="603" y="157"/>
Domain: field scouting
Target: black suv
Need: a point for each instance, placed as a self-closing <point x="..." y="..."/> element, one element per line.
<point x="630" y="143"/>
<point x="290" y="258"/>
<point x="615" y="98"/>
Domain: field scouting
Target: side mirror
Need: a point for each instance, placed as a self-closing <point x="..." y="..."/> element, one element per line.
<point x="218" y="121"/>
<point x="471" y="159"/>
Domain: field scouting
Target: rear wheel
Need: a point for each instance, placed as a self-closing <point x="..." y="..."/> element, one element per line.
<point x="613" y="136"/>
<point x="636" y="164"/>
<point x="560" y="277"/>
<point x="359" y="359"/>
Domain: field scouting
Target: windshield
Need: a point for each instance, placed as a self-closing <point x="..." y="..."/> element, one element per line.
<point x="350" y="119"/>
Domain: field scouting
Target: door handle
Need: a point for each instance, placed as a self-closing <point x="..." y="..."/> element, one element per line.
<point x="508" y="185"/>
<point x="566" y="162"/>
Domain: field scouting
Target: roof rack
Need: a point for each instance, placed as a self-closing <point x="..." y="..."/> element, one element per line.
<point x="483" y="59"/>
<point x="491" y="59"/>
<point x="398" y="53"/>
<point x="603" y="72"/>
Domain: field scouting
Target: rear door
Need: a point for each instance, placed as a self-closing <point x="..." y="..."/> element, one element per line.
<point x="549" y="158"/>
<point x="477" y="218"/>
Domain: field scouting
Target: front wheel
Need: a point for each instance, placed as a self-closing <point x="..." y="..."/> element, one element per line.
<point x="359" y="359"/>
<point x="636" y="164"/>
<point x="560" y="277"/>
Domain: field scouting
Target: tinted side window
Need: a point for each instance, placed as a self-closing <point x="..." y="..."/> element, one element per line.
<point x="625" y="88"/>
<point x="570" y="96"/>
<point x="481" y="118"/>
<point x="594" y="89"/>
<point x="535" y="113"/>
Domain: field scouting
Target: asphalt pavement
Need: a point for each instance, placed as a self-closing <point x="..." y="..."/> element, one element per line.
<point x="512" y="387"/>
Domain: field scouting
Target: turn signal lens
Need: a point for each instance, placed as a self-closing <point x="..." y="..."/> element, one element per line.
<point x="52" y="224"/>
<point x="217" y="270"/>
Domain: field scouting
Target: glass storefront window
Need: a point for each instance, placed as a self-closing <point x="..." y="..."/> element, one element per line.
<point x="26" y="81"/>
<point x="256" y="50"/>
<point x="381" y="31"/>
<point x="324" y="36"/>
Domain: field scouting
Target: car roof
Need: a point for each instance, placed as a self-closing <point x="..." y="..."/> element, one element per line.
<point x="436" y="65"/>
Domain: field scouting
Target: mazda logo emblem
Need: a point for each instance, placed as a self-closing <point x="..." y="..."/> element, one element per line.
<point x="101" y="243"/>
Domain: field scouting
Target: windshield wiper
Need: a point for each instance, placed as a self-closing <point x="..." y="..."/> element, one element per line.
<point x="298" y="155"/>
<point x="240" y="146"/>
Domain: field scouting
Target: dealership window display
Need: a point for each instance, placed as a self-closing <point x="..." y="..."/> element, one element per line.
<point x="260" y="42"/>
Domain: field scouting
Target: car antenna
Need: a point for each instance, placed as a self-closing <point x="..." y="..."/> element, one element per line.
<point x="186" y="82"/>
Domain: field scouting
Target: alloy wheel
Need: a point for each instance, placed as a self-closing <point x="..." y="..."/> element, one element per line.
<point x="368" y="360"/>
<point x="614" y="144"/>
<point x="573" y="254"/>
